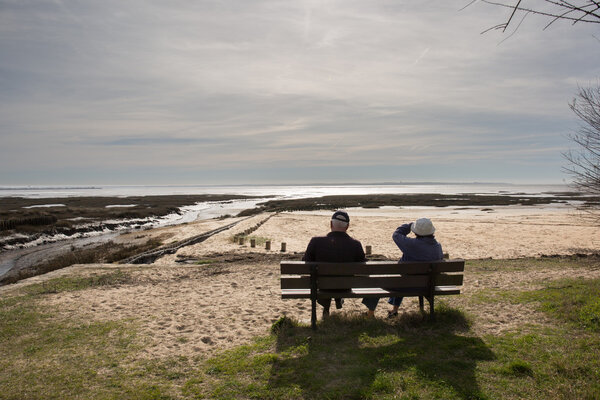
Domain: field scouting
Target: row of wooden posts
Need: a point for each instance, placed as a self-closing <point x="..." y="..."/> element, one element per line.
<point x="368" y="249"/>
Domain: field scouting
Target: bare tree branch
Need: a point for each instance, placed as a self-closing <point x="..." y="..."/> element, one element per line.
<point x="581" y="11"/>
<point x="584" y="160"/>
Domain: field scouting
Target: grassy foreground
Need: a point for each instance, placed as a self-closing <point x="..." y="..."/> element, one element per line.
<point x="48" y="355"/>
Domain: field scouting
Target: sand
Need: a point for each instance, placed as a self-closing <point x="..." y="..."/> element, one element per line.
<point x="199" y="309"/>
<point x="473" y="233"/>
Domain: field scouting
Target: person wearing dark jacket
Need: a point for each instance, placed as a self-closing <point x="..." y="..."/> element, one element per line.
<point x="423" y="247"/>
<point x="337" y="246"/>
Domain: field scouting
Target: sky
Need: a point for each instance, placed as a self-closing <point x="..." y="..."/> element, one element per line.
<point x="304" y="91"/>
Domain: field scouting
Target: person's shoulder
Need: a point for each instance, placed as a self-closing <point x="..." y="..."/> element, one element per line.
<point x="315" y="240"/>
<point x="355" y="241"/>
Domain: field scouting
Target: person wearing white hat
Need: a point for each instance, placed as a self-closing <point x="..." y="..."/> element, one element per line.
<point x="423" y="247"/>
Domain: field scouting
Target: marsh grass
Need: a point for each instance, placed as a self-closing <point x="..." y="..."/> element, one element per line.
<point x="105" y="253"/>
<point x="45" y="355"/>
<point x="336" y="202"/>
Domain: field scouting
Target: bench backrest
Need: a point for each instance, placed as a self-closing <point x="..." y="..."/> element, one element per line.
<point x="370" y="274"/>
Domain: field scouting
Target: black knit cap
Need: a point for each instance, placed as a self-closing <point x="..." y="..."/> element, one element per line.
<point x="341" y="216"/>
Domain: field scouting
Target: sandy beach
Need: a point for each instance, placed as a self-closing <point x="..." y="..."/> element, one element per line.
<point x="218" y="294"/>
<point x="469" y="233"/>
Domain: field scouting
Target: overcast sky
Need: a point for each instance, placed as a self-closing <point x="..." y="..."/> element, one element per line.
<point x="242" y="91"/>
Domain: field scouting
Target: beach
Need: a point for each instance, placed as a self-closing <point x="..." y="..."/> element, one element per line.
<point x="218" y="294"/>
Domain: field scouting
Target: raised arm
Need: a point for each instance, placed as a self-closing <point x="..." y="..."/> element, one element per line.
<point x="400" y="238"/>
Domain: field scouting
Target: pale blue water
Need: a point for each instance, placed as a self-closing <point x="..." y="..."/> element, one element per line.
<point x="280" y="191"/>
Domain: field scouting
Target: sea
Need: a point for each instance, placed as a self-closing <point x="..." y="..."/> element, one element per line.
<point x="282" y="191"/>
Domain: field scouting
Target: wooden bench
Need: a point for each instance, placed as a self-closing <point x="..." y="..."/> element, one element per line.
<point x="317" y="280"/>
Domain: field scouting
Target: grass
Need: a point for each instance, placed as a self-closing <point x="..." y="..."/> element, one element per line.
<point x="335" y="202"/>
<point x="573" y="300"/>
<point x="75" y="283"/>
<point x="44" y="354"/>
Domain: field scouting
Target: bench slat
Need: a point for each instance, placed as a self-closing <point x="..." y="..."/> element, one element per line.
<point x="373" y="269"/>
<point x="446" y="290"/>
<point x="367" y="292"/>
<point x="449" y="266"/>
<point x="351" y="282"/>
<point x="444" y="279"/>
<point x="370" y="267"/>
<point x="297" y="282"/>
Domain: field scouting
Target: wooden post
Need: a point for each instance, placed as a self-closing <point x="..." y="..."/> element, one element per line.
<point x="283" y="247"/>
<point x="241" y="240"/>
<point x="268" y="245"/>
<point x="252" y="242"/>
<point x="368" y="250"/>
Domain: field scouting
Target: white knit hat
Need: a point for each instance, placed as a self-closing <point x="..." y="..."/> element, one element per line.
<point x="422" y="227"/>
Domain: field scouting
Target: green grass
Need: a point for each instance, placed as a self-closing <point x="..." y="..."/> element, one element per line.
<point x="46" y="355"/>
<point x="574" y="300"/>
<point x="74" y="283"/>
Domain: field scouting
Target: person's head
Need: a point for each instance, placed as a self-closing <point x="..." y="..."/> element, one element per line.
<point x="340" y="221"/>
<point x="422" y="227"/>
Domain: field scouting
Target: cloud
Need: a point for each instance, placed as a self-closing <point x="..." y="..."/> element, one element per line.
<point x="213" y="85"/>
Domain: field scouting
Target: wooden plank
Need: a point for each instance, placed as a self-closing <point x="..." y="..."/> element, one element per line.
<point x="295" y="294"/>
<point x="449" y="266"/>
<point x="446" y="290"/>
<point x="372" y="268"/>
<point x="352" y="282"/>
<point x="372" y="292"/>
<point x="445" y="279"/>
<point x="368" y="292"/>
<point x="294" y="267"/>
<point x="297" y="282"/>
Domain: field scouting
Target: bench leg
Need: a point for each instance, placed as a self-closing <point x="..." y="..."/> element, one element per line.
<point x="313" y="316"/>
<point x="431" y="308"/>
<point x="421" y="304"/>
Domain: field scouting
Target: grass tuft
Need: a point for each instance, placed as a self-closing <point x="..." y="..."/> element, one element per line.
<point x="518" y="368"/>
<point x="75" y="283"/>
